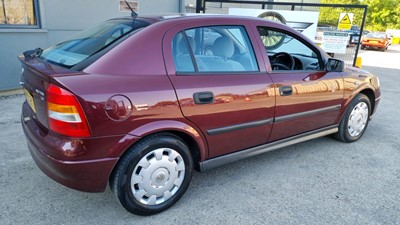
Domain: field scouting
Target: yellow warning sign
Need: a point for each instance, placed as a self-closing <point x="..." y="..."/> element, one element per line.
<point x="345" y="21"/>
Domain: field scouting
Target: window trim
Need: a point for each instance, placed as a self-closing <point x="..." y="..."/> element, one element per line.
<point x="36" y="13"/>
<point x="190" y="50"/>
<point x="212" y="73"/>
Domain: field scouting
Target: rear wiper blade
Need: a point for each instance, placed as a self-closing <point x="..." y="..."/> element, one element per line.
<point x="33" y="53"/>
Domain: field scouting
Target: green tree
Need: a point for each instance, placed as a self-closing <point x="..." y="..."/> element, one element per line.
<point x="330" y="15"/>
<point x="381" y="14"/>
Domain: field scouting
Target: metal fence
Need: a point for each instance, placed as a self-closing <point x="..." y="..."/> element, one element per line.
<point x="327" y="17"/>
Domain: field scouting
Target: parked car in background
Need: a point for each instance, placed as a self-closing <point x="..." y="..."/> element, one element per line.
<point x="365" y="32"/>
<point x="353" y="37"/>
<point x="139" y="102"/>
<point x="379" y="41"/>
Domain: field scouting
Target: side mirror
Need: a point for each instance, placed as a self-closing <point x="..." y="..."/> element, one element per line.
<point x="334" y="65"/>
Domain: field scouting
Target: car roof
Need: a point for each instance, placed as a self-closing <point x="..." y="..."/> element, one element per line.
<point x="173" y="19"/>
<point x="154" y="18"/>
<point x="184" y="16"/>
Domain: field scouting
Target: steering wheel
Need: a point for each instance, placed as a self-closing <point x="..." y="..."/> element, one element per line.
<point x="282" y="61"/>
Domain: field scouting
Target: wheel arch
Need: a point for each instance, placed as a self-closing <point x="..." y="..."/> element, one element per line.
<point x="193" y="138"/>
<point x="368" y="91"/>
<point x="192" y="144"/>
<point x="371" y="96"/>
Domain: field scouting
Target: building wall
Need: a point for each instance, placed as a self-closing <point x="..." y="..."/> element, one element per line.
<point x="61" y="19"/>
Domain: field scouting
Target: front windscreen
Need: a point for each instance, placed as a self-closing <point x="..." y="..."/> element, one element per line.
<point x="90" y="41"/>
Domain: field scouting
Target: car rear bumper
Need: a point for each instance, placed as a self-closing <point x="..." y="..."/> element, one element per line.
<point x="371" y="45"/>
<point x="71" y="162"/>
<point x="89" y="176"/>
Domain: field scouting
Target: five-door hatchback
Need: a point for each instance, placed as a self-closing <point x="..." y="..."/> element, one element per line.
<point x="138" y="103"/>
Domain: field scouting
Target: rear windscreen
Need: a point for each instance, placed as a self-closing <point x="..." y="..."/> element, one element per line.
<point x="90" y="41"/>
<point x="373" y="35"/>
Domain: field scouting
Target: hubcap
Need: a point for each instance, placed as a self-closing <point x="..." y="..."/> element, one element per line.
<point x="157" y="176"/>
<point x="358" y="119"/>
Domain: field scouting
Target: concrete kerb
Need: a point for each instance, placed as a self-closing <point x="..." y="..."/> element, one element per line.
<point x="18" y="91"/>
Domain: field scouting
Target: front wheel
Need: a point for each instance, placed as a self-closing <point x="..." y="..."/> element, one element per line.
<point x="355" y="119"/>
<point x="153" y="175"/>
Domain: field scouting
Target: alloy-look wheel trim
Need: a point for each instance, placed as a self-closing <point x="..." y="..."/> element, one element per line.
<point x="157" y="176"/>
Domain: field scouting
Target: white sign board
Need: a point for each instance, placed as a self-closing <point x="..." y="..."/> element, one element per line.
<point x="335" y="42"/>
<point x="302" y="21"/>
<point x="123" y="7"/>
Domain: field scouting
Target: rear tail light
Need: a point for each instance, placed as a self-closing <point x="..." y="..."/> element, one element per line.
<point x="65" y="113"/>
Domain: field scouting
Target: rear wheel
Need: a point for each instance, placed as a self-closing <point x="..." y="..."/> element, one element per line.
<point x="355" y="120"/>
<point x="362" y="47"/>
<point x="153" y="175"/>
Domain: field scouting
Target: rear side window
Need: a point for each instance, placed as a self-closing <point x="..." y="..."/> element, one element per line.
<point x="213" y="49"/>
<point x="90" y="41"/>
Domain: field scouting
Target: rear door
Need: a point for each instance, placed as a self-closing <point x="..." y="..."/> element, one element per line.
<point x="221" y="84"/>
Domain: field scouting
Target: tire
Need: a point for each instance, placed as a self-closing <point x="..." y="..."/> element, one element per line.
<point x="362" y="47"/>
<point x="355" y="120"/>
<point x="153" y="175"/>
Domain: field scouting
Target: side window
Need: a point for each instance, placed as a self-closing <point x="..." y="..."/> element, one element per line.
<point x="287" y="52"/>
<point x="181" y="53"/>
<point x="213" y="49"/>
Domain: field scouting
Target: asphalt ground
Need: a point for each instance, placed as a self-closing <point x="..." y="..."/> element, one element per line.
<point x="322" y="181"/>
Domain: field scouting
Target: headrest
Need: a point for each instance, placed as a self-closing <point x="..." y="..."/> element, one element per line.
<point x="182" y="45"/>
<point x="223" y="47"/>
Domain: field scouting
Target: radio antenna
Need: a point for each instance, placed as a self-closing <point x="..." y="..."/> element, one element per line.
<point x="133" y="13"/>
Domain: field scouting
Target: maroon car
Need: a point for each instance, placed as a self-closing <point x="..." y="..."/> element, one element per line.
<point x="140" y="102"/>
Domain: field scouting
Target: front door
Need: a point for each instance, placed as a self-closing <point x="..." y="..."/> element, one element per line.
<point x="307" y="96"/>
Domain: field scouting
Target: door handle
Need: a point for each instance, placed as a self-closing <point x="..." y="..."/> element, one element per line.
<point x="203" y="97"/>
<point x="285" y="90"/>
